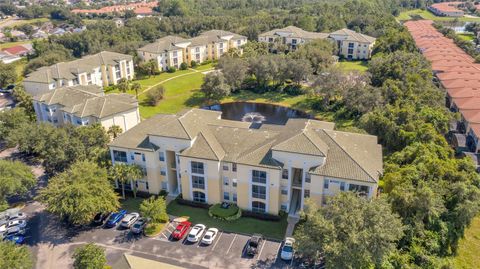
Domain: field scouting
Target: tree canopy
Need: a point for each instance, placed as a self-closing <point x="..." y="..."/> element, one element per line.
<point x="89" y="256"/>
<point x="16" y="178"/>
<point x="15" y="257"/>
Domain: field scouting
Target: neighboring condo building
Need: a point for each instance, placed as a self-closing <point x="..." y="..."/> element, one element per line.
<point x="102" y="69"/>
<point x="267" y="169"/>
<point x="350" y="44"/>
<point x="83" y="105"/>
<point x="172" y="51"/>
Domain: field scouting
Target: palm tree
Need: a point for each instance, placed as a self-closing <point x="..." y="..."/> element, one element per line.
<point x="135" y="172"/>
<point x="123" y="85"/>
<point x="126" y="173"/>
<point x="114" y="131"/>
<point x="136" y="86"/>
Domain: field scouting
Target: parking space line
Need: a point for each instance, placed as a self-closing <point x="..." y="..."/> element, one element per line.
<point x="231" y="244"/>
<point x="218" y="239"/>
<point x="261" y="249"/>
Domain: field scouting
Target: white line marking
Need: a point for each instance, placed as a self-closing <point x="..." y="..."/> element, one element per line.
<point x="231" y="244"/>
<point x="164" y="236"/>
<point x="218" y="239"/>
<point x="261" y="249"/>
<point x="276" y="253"/>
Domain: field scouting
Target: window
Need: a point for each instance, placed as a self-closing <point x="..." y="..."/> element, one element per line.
<point x="342" y="186"/>
<point x="220" y="45"/>
<point x="307" y="178"/>
<point x="270" y="39"/>
<point x="294" y="41"/>
<point x="234" y="198"/>
<point x="146" y="185"/>
<point x="225" y="167"/>
<point x="117" y="71"/>
<point x="325" y="183"/>
<point x="259" y="176"/>
<point x="198" y="182"/>
<point x="197" y="168"/>
<point x="164" y="185"/>
<point x="199" y="196"/>
<point x="132" y="156"/>
<point x="358" y="188"/>
<point x="175" y="61"/>
<point x="350" y="51"/>
<point x="225" y="181"/>
<point x="234" y="183"/>
<point x="175" y="53"/>
<point x="239" y="42"/>
<point x="120" y="156"/>
<point x="283" y="207"/>
<point x="234" y="167"/>
<point x="143" y="157"/>
<point x="226" y="196"/>
<point x="284" y="192"/>
<point x="350" y="45"/>
<point x="258" y="207"/>
<point x="259" y="192"/>
<point x="197" y="49"/>
<point x="163" y="172"/>
<point x="285" y="173"/>
<point x="306" y="193"/>
<point x="161" y="156"/>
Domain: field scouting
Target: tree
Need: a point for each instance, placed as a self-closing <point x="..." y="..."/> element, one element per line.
<point x="214" y="86"/>
<point x="318" y="53"/>
<point x="297" y="70"/>
<point x="79" y="193"/>
<point x="349" y="232"/>
<point x="16" y="178"/>
<point x="12" y="119"/>
<point x="393" y="40"/>
<point x="183" y="66"/>
<point x="155" y="209"/>
<point x="154" y="95"/>
<point x="234" y="71"/>
<point x="254" y="49"/>
<point x="89" y="256"/>
<point x="114" y="131"/>
<point x="136" y="87"/>
<point x="7" y="74"/>
<point x="15" y="257"/>
<point x="24" y="100"/>
<point x="123" y="85"/>
<point x="126" y="174"/>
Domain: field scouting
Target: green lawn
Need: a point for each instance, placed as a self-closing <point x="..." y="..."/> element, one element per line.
<point x="425" y="14"/>
<point x="131" y="204"/>
<point x="361" y="66"/>
<point x="7" y="45"/>
<point x="271" y="229"/>
<point x="469" y="247"/>
<point x="466" y="37"/>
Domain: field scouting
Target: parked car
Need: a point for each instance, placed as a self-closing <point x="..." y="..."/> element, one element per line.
<point x="139" y="226"/>
<point x="15" y="238"/>
<point x="100" y="218"/>
<point x="129" y="219"/>
<point x="3" y="227"/>
<point x="115" y="218"/>
<point x="253" y="244"/>
<point x="19" y="215"/>
<point x="287" y="249"/>
<point x="181" y="230"/>
<point x="209" y="236"/>
<point x="196" y="233"/>
<point x="17" y="222"/>
<point x="16" y="230"/>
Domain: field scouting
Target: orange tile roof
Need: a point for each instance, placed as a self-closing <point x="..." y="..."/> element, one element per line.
<point x="138" y="8"/>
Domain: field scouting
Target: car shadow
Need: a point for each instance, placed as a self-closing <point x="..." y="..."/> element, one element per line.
<point x="127" y="237"/>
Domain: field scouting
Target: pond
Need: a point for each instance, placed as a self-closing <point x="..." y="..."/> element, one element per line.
<point x="257" y="112"/>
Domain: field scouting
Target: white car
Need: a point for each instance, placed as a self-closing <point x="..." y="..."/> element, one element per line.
<point x="209" y="236"/>
<point x="129" y="219"/>
<point x="3" y="227"/>
<point x="287" y="249"/>
<point x="19" y="215"/>
<point x="17" y="222"/>
<point x="196" y="233"/>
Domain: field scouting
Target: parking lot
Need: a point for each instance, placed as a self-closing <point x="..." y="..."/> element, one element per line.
<point x="228" y="247"/>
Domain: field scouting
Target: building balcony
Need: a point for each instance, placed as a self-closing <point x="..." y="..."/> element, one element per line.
<point x="297" y="183"/>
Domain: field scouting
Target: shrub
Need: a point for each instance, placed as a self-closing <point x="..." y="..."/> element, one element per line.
<point x="171" y="69"/>
<point x="293" y="90"/>
<point x="206" y="62"/>
<point x="155" y="209"/>
<point x="233" y="212"/>
<point x="183" y="66"/>
<point x="153" y="228"/>
<point x="192" y="203"/>
<point x="155" y="95"/>
<point x="193" y="63"/>
<point x="263" y="216"/>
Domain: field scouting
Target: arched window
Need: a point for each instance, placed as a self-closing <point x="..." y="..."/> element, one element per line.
<point x="199" y="196"/>
<point x="258" y="207"/>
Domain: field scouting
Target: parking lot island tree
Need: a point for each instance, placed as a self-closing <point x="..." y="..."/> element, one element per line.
<point x="13" y="256"/>
<point x="349" y="232"/>
<point x="16" y="178"/>
<point x="89" y="256"/>
<point x="79" y="193"/>
<point x="126" y="174"/>
<point x="155" y="209"/>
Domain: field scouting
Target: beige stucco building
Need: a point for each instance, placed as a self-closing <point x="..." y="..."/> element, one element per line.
<point x="172" y="51"/>
<point x="267" y="169"/>
<point x="350" y="44"/>
<point x="102" y="69"/>
<point x="83" y="105"/>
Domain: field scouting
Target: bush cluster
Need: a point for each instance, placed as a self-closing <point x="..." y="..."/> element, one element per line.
<point x="233" y="212"/>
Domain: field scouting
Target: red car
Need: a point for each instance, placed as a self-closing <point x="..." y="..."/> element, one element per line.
<point x="181" y="230"/>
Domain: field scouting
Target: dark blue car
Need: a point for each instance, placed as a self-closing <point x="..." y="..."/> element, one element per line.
<point x="16" y="238"/>
<point x="115" y="218"/>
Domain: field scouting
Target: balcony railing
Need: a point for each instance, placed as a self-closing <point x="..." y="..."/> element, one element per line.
<point x="259" y="195"/>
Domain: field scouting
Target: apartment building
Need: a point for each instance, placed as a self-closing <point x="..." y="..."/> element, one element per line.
<point x="172" y="51"/>
<point x="102" y="69"/>
<point x="350" y="44"/>
<point x="268" y="169"/>
<point x="353" y="45"/>
<point x="82" y="105"/>
<point x="291" y="36"/>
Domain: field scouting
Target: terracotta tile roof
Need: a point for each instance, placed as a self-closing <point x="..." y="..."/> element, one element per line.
<point x="16" y="50"/>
